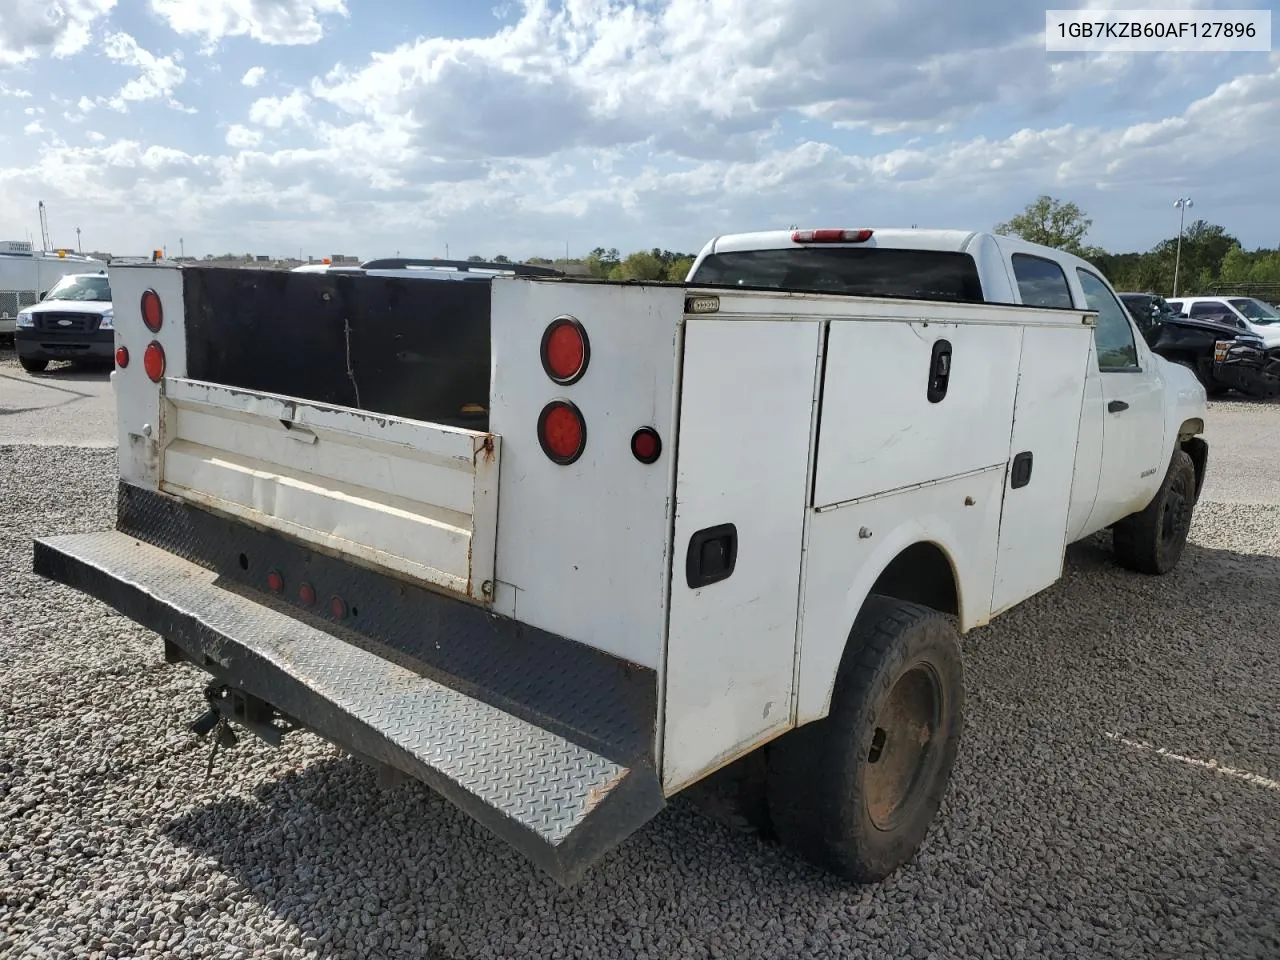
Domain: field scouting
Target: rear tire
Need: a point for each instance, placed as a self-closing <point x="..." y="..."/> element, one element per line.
<point x="31" y="365"/>
<point x="857" y="791"/>
<point x="1153" y="541"/>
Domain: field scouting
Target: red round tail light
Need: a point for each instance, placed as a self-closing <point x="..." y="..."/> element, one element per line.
<point x="338" y="607"/>
<point x="275" y="581"/>
<point x="122" y="357"/>
<point x="646" y="445"/>
<point x="152" y="312"/>
<point x="562" y="432"/>
<point x="153" y="361"/>
<point x="566" y="351"/>
<point x="307" y="593"/>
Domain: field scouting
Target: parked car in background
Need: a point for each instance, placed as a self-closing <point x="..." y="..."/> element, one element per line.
<point x="1245" y="313"/>
<point x="26" y="275"/>
<point x="1222" y="355"/>
<point x="74" y="322"/>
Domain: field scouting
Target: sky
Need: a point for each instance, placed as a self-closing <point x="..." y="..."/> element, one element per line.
<point x="443" y="127"/>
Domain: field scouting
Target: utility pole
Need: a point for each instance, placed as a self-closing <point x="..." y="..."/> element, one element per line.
<point x="1183" y="204"/>
<point x="79" y="249"/>
<point x="182" y="248"/>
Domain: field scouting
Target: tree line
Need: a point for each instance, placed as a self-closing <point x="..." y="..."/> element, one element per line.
<point x="1211" y="259"/>
<point x="655" y="264"/>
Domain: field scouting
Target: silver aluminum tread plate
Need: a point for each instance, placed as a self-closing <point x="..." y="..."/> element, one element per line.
<point x="559" y="803"/>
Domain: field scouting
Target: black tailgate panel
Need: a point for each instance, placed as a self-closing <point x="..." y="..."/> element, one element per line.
<point x="404" y="347"/>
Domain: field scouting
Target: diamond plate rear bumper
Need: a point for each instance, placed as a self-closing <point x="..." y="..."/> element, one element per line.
<point x="560" y="803"/>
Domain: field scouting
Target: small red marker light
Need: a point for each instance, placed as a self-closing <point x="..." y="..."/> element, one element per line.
<point x="152" y="312"/>
<point x="122" y="357"/>
<point x="646" y="445"/>
<point x="566" y="351"/>
<point x="338" y="608"/>
<point x="562" y="432"/>
<point x="153" y="361"/>
<point x="275" y="581"/>
<point x="307" y="594"/>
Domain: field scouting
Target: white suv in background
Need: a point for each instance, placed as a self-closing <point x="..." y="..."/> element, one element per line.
<point x="1247" y="313"/>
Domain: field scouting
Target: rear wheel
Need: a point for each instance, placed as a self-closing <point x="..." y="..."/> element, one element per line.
<point x="856" y="792"/>
<point x="32" y="365"/>
<point x="1153" y="541"/>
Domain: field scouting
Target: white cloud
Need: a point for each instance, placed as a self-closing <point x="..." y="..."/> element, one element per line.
<point x="278" y="111"/>
<point x="14" y="93"/>
<point x="94" y="136"/>
<point x="635" y="124"/>
<point x="33" y="127"/>
<point x="267" y="21"/>
<point x="242" y="137"/>
<point x="157" y="78"/>
<point x="59" y="27"/>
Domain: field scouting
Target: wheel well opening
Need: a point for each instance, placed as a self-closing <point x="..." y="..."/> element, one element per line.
<point x="1198" y="451"/>
<point x="921" y="574"/>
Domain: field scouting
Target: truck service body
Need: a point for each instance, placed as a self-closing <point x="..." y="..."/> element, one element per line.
<point x="563" y="548"/>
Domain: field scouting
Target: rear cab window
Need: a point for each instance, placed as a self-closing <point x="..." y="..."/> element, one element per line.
<point x="1041" y="282"/>
<point x="860" y="271"/>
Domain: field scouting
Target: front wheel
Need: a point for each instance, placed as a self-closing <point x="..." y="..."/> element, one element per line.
<point x="32" y="365"/>
<point x="857" y="791"/>
<point x="1153" y="541"/>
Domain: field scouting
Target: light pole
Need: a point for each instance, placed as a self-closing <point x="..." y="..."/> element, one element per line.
<point x="79" y="249"/>
<point x="1183" y="204"/>
<point x="182" y="248"/>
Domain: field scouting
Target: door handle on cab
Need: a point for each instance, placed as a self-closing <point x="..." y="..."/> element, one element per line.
<point x="1115" y="406"/>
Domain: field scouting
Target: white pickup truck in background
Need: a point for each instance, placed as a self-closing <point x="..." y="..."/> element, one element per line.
<point x="563" y="548"/>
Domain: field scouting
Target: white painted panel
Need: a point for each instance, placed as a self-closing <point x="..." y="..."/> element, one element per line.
<point x="842" y="566"/>
<point x="582" y="549"/>
<point x="745" y="419"/>
<point x="410" y="497"/>
<point x="1046" y="424"/>
<point x="138" y="406"/>
<point x="1088" y="463"/>
<point x="879" y="431"/>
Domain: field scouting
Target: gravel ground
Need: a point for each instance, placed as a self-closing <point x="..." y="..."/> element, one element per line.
<point x="1066" y="833"/>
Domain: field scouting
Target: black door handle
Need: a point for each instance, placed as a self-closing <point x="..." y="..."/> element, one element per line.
<point x="712" y="555"/>
<point x="1115" y="406"/>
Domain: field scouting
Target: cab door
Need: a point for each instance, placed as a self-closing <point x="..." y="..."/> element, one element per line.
<point x="1130" y="408"/>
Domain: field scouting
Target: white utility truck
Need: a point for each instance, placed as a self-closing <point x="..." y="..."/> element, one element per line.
<point x="563" y="548"/>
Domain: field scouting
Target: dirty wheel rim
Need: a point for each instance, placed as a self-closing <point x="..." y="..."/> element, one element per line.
<point x="903" y="756"/>
<point x="1177" y="511"/>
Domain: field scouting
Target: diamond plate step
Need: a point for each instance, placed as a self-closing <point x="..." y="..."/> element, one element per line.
<point x="561" y="804"/>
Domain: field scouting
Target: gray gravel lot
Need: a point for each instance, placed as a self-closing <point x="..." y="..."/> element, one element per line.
<point x="1066" y="833"/>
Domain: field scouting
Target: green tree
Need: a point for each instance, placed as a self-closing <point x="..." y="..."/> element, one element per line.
<point x="475" y="258"/>
<point x="502" y="258"/>
<point x="1050" y="222"/>
<point x="679" y="268"/>
<point x="639" y="266"/>
<point x="602" y="262"/>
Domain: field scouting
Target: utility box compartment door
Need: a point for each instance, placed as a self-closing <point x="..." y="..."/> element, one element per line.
<point x="910" y="402"/>
<point x="1042" y="456"/>
<point x="746" y="415"/>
